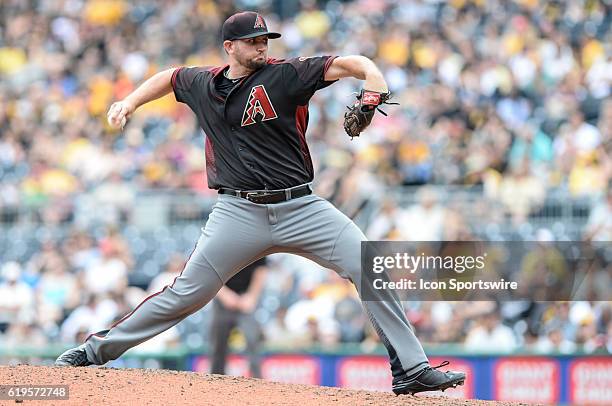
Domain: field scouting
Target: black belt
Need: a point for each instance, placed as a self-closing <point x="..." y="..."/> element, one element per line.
<point x="269" y="196"/>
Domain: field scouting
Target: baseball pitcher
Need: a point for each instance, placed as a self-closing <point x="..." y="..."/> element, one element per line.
<point x="254" y="111"/>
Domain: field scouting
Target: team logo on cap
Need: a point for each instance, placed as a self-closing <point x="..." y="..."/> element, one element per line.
<point x="259" y="22"/>
<point x="259" y="104"/>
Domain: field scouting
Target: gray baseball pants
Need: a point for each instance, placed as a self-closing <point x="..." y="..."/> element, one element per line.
<point x="239" y="232"/>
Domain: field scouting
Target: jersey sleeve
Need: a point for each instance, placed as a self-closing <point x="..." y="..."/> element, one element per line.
<point x="187" y="83"/>
<point x="304" y="76"/>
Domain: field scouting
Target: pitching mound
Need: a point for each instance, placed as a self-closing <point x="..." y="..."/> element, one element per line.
<point x="95" y="385"/>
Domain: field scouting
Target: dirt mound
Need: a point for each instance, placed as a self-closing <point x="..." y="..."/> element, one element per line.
<point x="95" y="385"/>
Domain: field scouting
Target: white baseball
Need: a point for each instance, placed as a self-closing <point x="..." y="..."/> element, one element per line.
<point x="113" y="114"/>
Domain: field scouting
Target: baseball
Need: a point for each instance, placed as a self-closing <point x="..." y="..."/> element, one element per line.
<point x="112" y="122"/>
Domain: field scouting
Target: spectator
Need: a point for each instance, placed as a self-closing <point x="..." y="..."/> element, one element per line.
<point x="94" y="315"/>
<point x="22" y="332"/>
<point x="599" y="225"/>
<point x="115" y="198"/>
<point x="384" y="224"/>
<point x="276" y="333"/>
<point x="554" y="342"/>
<point x="16" y="297"/>
<point x="57" y="288"/>
<point x="173" y="269"/>
<point x="489" y="334"/>
<point x="544" y="270"/>
<point x="532" y="144"/>
<point x="109" y="274"/>
<point x="423" y="221"/>
<point x="80" y="250"/>
<point x="521" y="192"/>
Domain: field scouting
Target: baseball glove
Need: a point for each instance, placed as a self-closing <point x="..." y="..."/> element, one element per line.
<point x="361" y="113"/>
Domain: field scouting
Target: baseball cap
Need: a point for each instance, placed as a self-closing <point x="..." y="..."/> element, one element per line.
<point x="246" y="24"/>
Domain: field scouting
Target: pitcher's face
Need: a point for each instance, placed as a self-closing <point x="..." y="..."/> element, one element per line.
<point x="252" y="53"/>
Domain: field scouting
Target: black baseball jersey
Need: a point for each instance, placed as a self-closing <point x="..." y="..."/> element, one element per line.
<point x="240" y="282"/>
<point x="256" y="136"/>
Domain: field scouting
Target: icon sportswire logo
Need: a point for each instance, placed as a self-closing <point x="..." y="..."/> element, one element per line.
<point x="258" y="104"/>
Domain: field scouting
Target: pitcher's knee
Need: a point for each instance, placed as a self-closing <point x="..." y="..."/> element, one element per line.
<point x="183" y="301"/>
<point x="353" y="272"/>
<point x="346" y="254"/>
<point x="196" y="286"/>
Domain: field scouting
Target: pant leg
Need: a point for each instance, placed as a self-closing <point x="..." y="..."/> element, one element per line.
<point x="223" y="322"/>
<point x="236" y="233"/>
<point x="252" y="333"/>
<point x="315" y="229"/>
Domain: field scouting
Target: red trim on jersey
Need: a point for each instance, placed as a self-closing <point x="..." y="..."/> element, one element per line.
<point x="274" y="61"/>
<point x="211" y="167"/>
<point x="145" y="300"/>
<point x="301" y="123"/>
<point x="301" y="113"/>
<point x="173" y="79"/>
<point x="216" y="70"/>
<point x="328" y="64"/>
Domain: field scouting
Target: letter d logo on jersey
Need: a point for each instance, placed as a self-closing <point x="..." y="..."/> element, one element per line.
<point x="258" y="104"/>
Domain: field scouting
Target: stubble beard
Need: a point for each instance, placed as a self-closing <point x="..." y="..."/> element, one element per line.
<point x="254" y="64"/>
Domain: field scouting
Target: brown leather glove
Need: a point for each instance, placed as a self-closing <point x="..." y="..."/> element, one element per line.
<point x="361" y="113"/>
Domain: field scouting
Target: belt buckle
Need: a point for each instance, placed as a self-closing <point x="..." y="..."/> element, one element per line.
<point x="252" y="196"/>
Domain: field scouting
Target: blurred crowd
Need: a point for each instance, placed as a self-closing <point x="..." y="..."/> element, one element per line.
<point x="509" y="97"/>
<point x="69" y="290"/>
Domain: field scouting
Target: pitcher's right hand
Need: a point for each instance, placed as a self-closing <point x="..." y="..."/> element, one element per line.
<point x="119" y="113"/>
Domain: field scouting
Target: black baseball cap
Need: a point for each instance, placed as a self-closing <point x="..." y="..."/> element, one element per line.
<point x="247" y="24"/>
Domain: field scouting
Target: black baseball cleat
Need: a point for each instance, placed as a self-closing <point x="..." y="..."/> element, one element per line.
<point x="429" y="379"/>
<point x="74" y="357"/>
